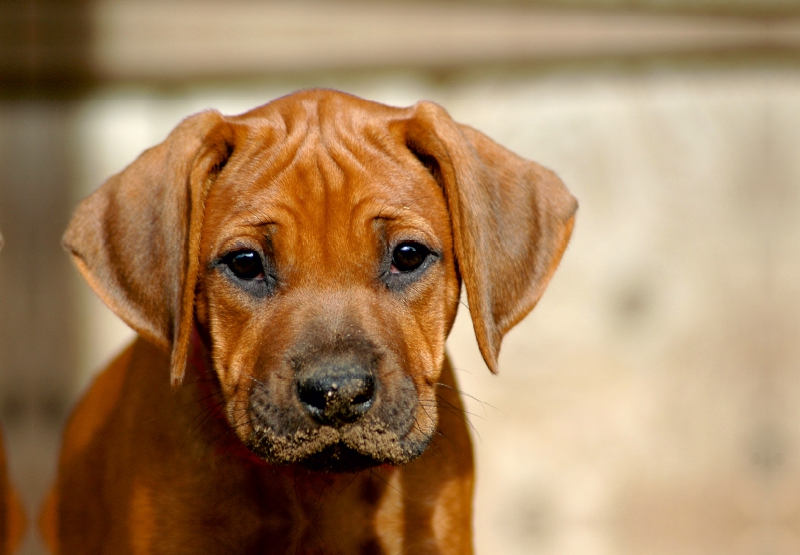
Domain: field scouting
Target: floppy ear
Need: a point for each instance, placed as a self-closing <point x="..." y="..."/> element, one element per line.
<point x="136" y="240"/>
<point x="511" y="220"/>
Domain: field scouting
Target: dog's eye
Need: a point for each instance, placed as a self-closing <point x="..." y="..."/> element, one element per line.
<point x="245" y="265"/>
<point x="409" y="256"/>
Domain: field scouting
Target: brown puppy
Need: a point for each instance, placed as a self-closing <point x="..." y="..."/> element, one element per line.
<point x="294" y="272"/>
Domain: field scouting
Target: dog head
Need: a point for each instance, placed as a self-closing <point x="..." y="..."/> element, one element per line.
<point x="318" y="244"/>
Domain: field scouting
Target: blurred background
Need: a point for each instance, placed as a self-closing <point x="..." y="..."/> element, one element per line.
<point x="651" y="402"/>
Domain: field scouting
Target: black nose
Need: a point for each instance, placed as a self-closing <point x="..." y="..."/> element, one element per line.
<point x="336" y="390"/>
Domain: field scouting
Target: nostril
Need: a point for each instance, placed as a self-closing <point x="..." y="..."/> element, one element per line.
<point x="311" y="394"/>
<point x="365" y="391"/>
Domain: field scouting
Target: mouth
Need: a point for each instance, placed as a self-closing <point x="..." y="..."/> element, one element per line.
<point x="325" y="448"/>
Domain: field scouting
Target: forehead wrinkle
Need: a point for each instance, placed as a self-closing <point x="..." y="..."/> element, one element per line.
<point x="280" y="137"/>
<point x="331" y="227"/>
<point x="343" y="156"/>
<point x="373" y="163"/>
<point x="284" y="155"/>
<point x="353" y="136"/>
<point x="358" y="202"/>
<point x="241" y="218"/>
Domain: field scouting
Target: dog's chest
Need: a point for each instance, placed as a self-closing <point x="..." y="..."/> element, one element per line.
<point x="271" y="512"/>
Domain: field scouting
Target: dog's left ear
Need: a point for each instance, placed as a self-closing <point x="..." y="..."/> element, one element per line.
<point x="511" y="220"/>
<point x="136" y="239"/>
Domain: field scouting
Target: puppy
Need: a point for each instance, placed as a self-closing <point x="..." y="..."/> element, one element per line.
<point x="293" y="273"/>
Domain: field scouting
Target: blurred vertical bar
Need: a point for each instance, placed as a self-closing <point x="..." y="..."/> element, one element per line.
<point x="44" y="49"/>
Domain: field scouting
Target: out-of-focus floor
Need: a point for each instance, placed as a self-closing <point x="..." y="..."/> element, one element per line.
<point x="650" y="402"/>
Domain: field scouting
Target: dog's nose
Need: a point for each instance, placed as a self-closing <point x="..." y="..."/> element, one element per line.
<point x="337" y="390"/>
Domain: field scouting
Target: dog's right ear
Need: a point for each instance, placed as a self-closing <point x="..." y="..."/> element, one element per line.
<point x="511" y="219"/>
<point x="136" y="239"/>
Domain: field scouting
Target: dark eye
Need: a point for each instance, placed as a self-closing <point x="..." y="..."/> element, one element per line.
<point x="407" y="257"/>
<point x="245" y="264"/>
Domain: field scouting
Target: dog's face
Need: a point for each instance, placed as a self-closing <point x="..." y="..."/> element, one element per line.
<point x="327" y="286"/>
<point x="318" y="244"/>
